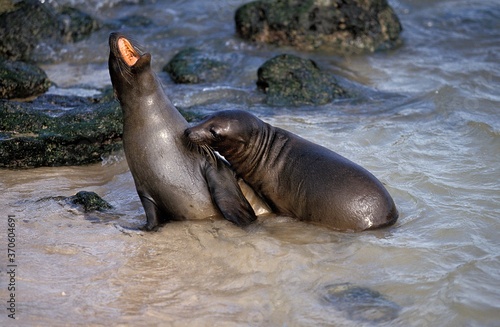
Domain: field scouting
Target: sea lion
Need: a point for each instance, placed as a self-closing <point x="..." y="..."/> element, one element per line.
<point x="174" y="180"/>
<point x="297" y="177"/>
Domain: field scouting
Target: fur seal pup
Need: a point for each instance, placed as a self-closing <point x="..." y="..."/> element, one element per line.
<point x="297" y="177"/>
<point x="174" y="179"/>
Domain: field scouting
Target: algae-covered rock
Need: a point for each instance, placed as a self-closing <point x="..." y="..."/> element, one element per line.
<point x="21" y="80"/>
<point x="86" y="200"/>
<point x="68" y="131"/>
<point x="289" y="81"/>
<point x="25" y="24"/>
<point x="337" y="25"/>
<point x="90" y="201"/>
<point x="195" y="66"/>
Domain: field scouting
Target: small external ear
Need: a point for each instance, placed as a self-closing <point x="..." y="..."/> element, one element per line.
<point x="143" y="62"/>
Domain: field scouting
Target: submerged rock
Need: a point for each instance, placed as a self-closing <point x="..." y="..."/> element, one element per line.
<point x="58" y="130"/>
<point x="195" y="66"/>
<point x="290" y="81"/>
<point x="21" y="80"/>
<point x="360" y="303"/>
<point x="25" y="24"/>
<point x="90" y="201"/>
<point x="338" y="25"/>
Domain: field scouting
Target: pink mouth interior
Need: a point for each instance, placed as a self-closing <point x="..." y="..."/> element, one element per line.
<point x="129" y="55"/>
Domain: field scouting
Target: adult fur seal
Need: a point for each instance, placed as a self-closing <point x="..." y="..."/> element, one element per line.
<point x="297" y="177"/>
<point x="174" y="180"/>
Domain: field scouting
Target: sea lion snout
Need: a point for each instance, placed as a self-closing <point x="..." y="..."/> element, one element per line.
<point x="195" y="135"/>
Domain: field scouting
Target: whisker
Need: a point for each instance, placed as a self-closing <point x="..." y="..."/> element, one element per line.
<point x="126" y="74"/>
<point x="204" y="150"/>
<point x="210" y="153"/>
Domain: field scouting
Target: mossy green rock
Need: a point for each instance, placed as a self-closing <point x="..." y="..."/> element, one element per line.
<point x="87" y="200"/>
<point x="291" y="81"/>
<point x="195" y="66"/>
<point x="337" y="25"/>
<point x="21" y="80"/>
<point x="90" y="201"/>
<point x="68" y="131"/>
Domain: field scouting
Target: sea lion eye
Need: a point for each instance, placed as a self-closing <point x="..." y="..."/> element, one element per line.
<point x="214" y="132"/>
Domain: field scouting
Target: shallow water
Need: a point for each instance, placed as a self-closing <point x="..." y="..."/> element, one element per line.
<point x="427" y="125"/>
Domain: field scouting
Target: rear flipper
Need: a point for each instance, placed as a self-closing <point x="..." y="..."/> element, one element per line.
<point x="152" y="214"/>
<point x="227" y="194"/>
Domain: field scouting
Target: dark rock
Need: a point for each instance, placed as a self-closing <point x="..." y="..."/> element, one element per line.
<point x="6" y="5"/>
<point x="360" y="303"/>
<point x="68" y="131"/>
<point x="290" y="80"/>
<point x="21" y="80"/>
<point x="337" y="25"/>
<point x="195" y="66"/>
<point x="90" y="201"/>
<point x="24" y="26"/>
<point x="76" y="25"/>
<point x="27" y="23"/>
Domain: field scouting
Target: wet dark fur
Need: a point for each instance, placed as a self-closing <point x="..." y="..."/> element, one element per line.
<point x="174" y="179"/>
<point x="297" y="177"/>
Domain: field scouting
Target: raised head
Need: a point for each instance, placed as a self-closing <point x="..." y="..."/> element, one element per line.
<point x="129" y="69"/>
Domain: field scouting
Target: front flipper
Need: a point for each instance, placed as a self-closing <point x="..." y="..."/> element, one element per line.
<point x="152" y="214"/>
<point x="227" y="194"/>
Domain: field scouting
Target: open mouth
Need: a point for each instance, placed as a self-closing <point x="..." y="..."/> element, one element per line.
<point x="127" y="51"/>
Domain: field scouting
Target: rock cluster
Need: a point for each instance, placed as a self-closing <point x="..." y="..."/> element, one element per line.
<point x="49" y="130"/>
<point x="337" y="25"/>
<point x="25" y="24"/>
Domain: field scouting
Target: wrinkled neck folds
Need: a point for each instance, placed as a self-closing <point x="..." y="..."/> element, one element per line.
<point x="257" y="153"/>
